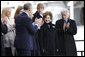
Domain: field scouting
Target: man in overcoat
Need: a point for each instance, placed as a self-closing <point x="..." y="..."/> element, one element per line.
<point x="66" y="29"/>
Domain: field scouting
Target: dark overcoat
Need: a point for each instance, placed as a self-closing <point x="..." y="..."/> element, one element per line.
<point x="66" y="39"/>
<point x="47" y="39"/>
<point x="36" y="36"/>
<point x="4" y="30"/>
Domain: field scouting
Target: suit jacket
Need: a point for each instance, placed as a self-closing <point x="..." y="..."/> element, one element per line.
<point x="66" y="39"/>
<point x="24" y="32"/>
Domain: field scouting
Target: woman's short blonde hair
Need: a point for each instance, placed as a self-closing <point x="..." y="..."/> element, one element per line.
<point x="4" y="11"/>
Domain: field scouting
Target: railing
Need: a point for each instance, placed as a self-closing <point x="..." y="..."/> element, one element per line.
<point x="82" y="52"/>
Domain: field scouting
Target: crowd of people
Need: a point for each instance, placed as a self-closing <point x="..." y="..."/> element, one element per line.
<point x="31" y="34"/>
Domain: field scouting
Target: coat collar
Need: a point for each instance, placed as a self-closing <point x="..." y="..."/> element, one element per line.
<point x="67" y="20"/>
<point x="24" y="13"/>
<point x="38" y="14"/>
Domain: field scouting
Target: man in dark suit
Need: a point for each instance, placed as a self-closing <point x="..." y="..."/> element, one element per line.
<point x="66" y="29"/>
<point x="4" y="30"/>
<point x="25" y="29"/>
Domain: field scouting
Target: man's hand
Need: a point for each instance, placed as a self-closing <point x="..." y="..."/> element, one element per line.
<point x="39" y="22"/>
<point x="67" y="25"/>
<point x="64" y="25"/>
<point x="4" y="21"/>
<point x="31" y="15"/>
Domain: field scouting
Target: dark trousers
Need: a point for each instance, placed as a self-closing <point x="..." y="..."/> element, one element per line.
<point x="35" y="53"/>
<point x="48" y="53"/>
<point x="8" y="51"/>
<point x="2" y="47"/>
<point x="23" y="52"/>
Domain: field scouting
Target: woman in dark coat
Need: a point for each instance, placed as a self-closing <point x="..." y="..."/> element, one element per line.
<point x="4" y="30"/>
<point x="66" y="29"/>
<point x="47" y="39"/>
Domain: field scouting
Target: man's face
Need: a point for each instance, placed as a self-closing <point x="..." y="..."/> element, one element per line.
<point x="65" y="15"/>
<point x="30" y="13"/>
<point x="40" y="10"/>
<point x="30" y="10"/>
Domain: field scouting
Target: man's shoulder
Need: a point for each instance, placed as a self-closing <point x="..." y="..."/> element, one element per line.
<point x="23" y="17"/>
<point x="72" y="20"/>
<point x="36" y="13"/>
<point x="60" y="20"/>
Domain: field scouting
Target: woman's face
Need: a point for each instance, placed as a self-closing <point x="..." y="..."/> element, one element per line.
<point x="47" y="19"/>
<point x="8" y="13"/>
